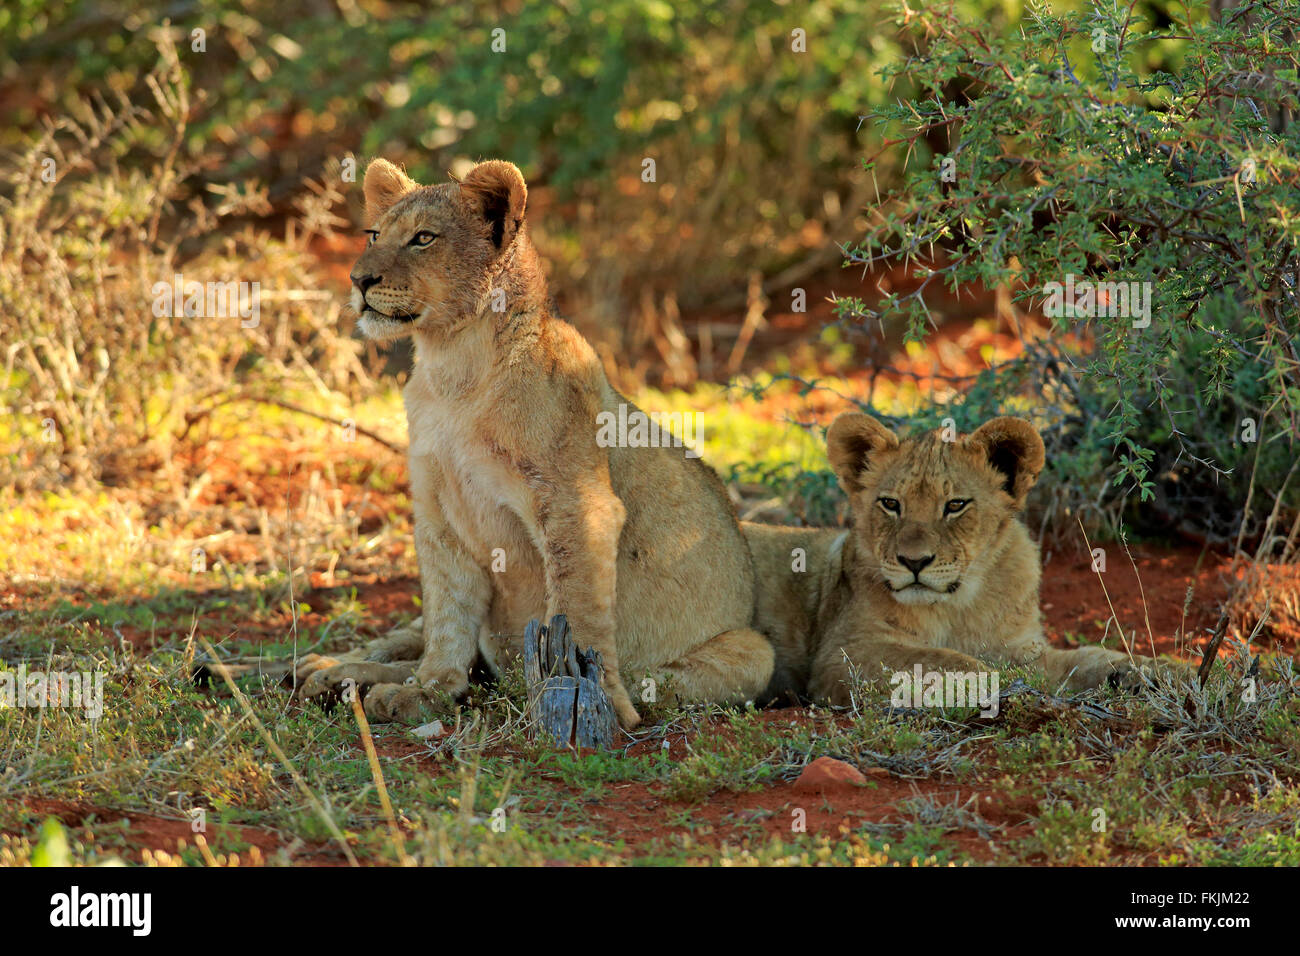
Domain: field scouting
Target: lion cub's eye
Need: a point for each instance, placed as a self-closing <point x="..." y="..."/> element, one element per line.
<point x="371" y="236"/>
<point x="955" y="505"/>
<point x="423" y="238"/>
<point x="891" y="505"/>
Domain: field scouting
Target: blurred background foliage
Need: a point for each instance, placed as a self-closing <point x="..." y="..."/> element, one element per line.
<point x="756" y="150"/>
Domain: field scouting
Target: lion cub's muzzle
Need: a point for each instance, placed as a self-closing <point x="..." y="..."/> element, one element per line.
<point x="388" y="302"/>
<point x="908" y="583"/>
<point x="916" y="584"/>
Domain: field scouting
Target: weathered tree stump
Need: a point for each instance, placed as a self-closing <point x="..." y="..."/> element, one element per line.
<point x="565" y="696"/>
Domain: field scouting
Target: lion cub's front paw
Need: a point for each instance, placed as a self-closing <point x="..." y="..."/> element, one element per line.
<point x="628" y="718"/>
<point x="401" y="703"/>
<point x="447" y="680"/>
<point x="309" y="664"/>
<point x="326" y="684"/>
<point x="402" y="644"/>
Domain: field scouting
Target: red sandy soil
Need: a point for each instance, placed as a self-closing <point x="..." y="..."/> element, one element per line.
<point x="635" y="811"/>
<point x="1150" y="595"/>
<point x="636" y="814"/>
<point x="147" y="830"/>
<point x="640" y="817"/>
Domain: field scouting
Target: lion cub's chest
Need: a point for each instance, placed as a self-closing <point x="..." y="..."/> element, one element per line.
<point x="484" y="500"/>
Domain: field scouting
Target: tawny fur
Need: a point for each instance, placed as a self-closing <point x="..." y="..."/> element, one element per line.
<point x="858" y="609"/>
<point x="638" y="546"/>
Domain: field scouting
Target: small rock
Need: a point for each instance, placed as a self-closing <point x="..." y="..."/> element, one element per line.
<point x="433" y="729"/>
<point x="827" y="773"/>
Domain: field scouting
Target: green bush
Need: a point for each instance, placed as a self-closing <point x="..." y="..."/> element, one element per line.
<point x="1062" y="154"/>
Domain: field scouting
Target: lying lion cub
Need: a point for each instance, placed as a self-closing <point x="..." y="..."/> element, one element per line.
<point x="519" y="512"/>
<point x="937" y="569"/>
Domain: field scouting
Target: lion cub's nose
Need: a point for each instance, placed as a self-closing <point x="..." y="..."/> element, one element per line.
<point x="915" y="565"/>
<point x="364" y="282"/>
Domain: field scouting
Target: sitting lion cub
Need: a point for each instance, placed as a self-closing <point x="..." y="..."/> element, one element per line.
<point x="937" y="569"/>
<point x="519" y="511"/>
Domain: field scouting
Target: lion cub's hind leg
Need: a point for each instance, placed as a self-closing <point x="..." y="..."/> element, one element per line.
<point x="405" y="643"/>
<point x="729" y="668"/>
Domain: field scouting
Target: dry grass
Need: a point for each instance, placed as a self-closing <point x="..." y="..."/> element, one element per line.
<point x="97" y="385"/>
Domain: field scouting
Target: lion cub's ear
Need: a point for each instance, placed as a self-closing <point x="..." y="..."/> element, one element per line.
<point x="384" y="185"/>
<point x="852" y="441"/>
<point x="497" y="188"/>
<point x="1015" y="450"/>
